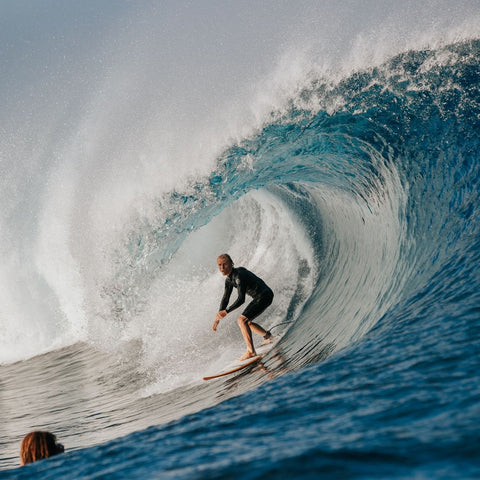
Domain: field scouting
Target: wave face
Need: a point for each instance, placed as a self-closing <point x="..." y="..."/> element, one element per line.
<point x="357" y="202"/>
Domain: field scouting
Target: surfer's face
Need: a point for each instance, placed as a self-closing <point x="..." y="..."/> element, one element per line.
<point x="224" y="265"/>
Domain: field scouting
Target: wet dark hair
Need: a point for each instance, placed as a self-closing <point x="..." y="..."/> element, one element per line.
<point x="38" y="445"/>
<point x="227" y="256"/>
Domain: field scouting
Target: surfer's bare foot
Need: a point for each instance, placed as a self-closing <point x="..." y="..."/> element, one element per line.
<point x="268" y="338"/>
<point x="247" y="355"/>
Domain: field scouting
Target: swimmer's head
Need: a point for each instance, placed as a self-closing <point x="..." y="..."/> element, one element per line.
<point x="39" y="445"/>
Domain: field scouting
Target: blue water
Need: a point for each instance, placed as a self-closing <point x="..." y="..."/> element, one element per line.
<point x="357" y="201"/>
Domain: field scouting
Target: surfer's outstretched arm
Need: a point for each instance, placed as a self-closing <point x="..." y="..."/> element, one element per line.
<point x="226" y="295"/>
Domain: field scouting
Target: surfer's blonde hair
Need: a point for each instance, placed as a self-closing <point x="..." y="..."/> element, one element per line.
<point x="227" y="256"/>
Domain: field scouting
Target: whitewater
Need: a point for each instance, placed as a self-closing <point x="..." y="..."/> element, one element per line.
<point x="332" y="149"/>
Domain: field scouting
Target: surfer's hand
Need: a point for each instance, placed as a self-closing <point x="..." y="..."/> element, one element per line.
<point x="218" y="317"/>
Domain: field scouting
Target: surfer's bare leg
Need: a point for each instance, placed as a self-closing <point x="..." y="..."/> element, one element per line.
<point x="267" y="336"/>
<point x="247" y="336"/>
<point x="257" y="329"/>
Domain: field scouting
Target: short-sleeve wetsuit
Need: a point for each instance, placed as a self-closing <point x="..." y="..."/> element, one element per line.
<point x="246" y="283"/>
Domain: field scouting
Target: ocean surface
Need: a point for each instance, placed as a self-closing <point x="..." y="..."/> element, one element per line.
<point x="352" y="188"/>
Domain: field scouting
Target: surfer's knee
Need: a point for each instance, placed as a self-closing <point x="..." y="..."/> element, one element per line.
<point x="243" y="320"/>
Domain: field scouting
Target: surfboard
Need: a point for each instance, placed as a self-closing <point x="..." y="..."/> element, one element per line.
<point x="250" y="361"/>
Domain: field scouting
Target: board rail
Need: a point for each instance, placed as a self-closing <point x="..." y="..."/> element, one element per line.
<point x="251" y="361"/>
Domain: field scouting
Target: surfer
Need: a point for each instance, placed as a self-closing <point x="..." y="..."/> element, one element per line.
<point x="246" y="283"/>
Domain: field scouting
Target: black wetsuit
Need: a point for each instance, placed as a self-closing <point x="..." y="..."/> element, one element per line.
<point x="246" y="283"/>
